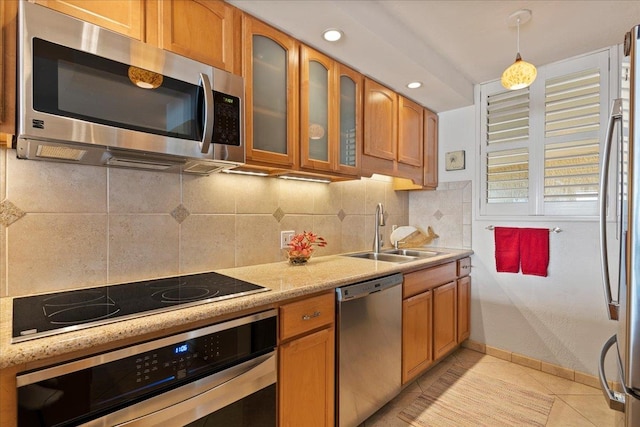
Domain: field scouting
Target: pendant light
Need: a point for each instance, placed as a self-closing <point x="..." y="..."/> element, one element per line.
<point x="521" y="73"/>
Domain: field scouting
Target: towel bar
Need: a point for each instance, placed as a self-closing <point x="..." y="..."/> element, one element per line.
<point x="551" y="230"/>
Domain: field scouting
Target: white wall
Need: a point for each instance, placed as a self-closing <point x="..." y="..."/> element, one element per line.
<point x="560" y="319"/>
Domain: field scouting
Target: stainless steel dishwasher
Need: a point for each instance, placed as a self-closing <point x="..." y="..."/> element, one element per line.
<point x="369" y="319"/>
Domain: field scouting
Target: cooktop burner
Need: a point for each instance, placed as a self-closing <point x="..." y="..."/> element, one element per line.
<point x="43" y="315"/>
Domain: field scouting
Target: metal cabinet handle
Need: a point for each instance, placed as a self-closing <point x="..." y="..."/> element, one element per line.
<point x="616" y="116"/>
<point x="616" y="400"/>
<point x="311" y="316"/>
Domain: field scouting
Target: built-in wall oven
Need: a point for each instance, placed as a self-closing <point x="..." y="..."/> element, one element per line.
<point x="219" y="375"/>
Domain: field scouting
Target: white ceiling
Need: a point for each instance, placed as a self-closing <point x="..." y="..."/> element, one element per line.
<point x="449" y="45"/>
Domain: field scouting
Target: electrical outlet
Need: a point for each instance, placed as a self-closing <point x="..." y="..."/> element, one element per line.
<point x="285" y="238"/>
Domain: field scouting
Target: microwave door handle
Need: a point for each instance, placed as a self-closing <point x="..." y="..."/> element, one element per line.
<point x="616" y="115"/>
<point x="207" y="133"/>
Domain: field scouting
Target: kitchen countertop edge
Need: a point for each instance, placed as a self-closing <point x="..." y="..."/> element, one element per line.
<point x="284" y="281"/>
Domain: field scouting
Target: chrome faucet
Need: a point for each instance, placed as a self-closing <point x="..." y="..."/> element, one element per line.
<point x="377" y="242"/>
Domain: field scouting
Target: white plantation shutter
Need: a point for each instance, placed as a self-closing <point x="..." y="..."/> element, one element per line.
<point x="505" y="155"/>
<point x="540" y="146"/>
<point x="507" y="116"/>
<point x="508" y="176"/>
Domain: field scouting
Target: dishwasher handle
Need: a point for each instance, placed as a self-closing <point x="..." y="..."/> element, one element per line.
<point x="360" y="290"/>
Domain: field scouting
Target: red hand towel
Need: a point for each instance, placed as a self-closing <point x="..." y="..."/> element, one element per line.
<point x="507" y="249"/>
<point x="534" y="251"/>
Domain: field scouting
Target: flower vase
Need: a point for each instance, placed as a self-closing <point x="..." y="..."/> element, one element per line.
<point x="298" y="260"/>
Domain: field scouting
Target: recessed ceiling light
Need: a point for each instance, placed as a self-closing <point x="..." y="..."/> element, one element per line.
<point x="332" y="35"/>
<point x="414" y="85"/>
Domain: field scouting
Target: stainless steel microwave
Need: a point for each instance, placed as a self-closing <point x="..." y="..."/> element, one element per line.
<point x="88" y="95"/>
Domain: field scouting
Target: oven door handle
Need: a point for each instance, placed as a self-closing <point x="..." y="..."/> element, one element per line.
<point x="195" y="400"/>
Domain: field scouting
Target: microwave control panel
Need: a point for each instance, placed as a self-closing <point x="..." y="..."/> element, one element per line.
<point x="227" y="119"/>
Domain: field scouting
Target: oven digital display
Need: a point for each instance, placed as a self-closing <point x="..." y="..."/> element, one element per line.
<point x="183" y="348"/>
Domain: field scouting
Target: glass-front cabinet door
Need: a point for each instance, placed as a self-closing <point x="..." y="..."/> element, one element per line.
<point x="271" y="95"/>
<point x="317" y="110"/>
<point x="330" y="124"/>
<point x="350" y="100"/>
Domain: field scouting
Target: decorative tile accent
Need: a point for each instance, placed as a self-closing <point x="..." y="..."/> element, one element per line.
<point x="278" y="214"/>
<point x="9" y="213"/>
<point x="438" y="215"/>
<point x="341" y="215"/>
<point x="180" y="213"/>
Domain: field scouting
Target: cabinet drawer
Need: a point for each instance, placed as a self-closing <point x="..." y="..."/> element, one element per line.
<point x="303" y="316"/>
<point x="420" y="281"/>
<point x="464" y="267"/>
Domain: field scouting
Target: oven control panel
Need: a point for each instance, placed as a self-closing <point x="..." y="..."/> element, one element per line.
<point x="109" y="381"/>
<point x="189" y="358"/>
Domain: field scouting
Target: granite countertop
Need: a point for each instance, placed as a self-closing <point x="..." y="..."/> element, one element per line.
<point x="284" y="281"/>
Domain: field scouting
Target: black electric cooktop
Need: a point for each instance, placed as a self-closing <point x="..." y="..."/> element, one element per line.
<point x="42" y="315"/>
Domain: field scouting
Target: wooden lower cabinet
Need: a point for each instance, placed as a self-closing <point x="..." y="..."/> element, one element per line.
<point x="306" y="385"/>
<point x="445" y="309"/>
<point x="435" y="314"/>
<point x="417" y="348"/>
<point x="464" y="303"/>
<point x="306" y="363"/>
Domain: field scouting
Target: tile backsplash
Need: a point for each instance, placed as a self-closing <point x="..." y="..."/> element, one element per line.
<point x="447" y="210"/>
<point x="81" y="226"/>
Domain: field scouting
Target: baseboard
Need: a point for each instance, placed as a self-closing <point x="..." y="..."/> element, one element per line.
<point x="529" y="362"/>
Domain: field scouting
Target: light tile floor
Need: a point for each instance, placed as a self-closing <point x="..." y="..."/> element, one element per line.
<point x="575" y="404"/>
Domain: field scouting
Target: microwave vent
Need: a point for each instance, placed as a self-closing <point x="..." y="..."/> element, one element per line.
<point x="204" y="168"/>
<point x="151" y="164"/>
<point x="60" y="153"/>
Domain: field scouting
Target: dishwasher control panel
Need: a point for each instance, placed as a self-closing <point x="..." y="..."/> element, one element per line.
<point x="358" y="290"/>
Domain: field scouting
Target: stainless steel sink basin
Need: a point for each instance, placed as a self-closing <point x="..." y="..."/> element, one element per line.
<point x="384" y="256"/>
<point x="413" y="253"/>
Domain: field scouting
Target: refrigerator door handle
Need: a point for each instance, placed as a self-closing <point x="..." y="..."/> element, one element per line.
<point x="616" y="116"/>
<point x="615" y="399"/>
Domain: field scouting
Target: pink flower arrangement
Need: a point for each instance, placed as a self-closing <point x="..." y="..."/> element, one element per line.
<point x="302" y="245"/>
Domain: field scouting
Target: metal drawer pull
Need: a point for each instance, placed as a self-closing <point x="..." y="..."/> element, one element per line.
<point x="311" y="316"/>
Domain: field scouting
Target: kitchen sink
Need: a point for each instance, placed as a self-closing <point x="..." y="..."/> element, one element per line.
<point x="384" y="256"/>
<point x="396" y="255"/>
<point x="413" y="253"/>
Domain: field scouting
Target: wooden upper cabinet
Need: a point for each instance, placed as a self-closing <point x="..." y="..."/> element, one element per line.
<point x="8" y="34"/>
<point x="318" y="117"/>
<point x="202" y="30"/>
<point x="330" y="117"/>
<point x="122" y="16"/>
<point x="380" y="121"/>
<point x="350" y="120"/>
<point x="430" y="149"/>
<point x="270" y="71"/>
<point x="410" y="132"/>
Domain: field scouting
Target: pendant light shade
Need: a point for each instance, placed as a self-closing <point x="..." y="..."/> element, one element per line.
<point x="521" y="73"/>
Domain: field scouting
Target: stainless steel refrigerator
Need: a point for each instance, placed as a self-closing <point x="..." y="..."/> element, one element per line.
<point x="623" y="135"/>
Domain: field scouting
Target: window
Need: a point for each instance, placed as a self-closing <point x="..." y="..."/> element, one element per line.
<point x="540" y="146"/>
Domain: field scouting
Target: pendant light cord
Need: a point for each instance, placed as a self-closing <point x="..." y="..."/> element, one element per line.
<point x="518" y="42"/>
